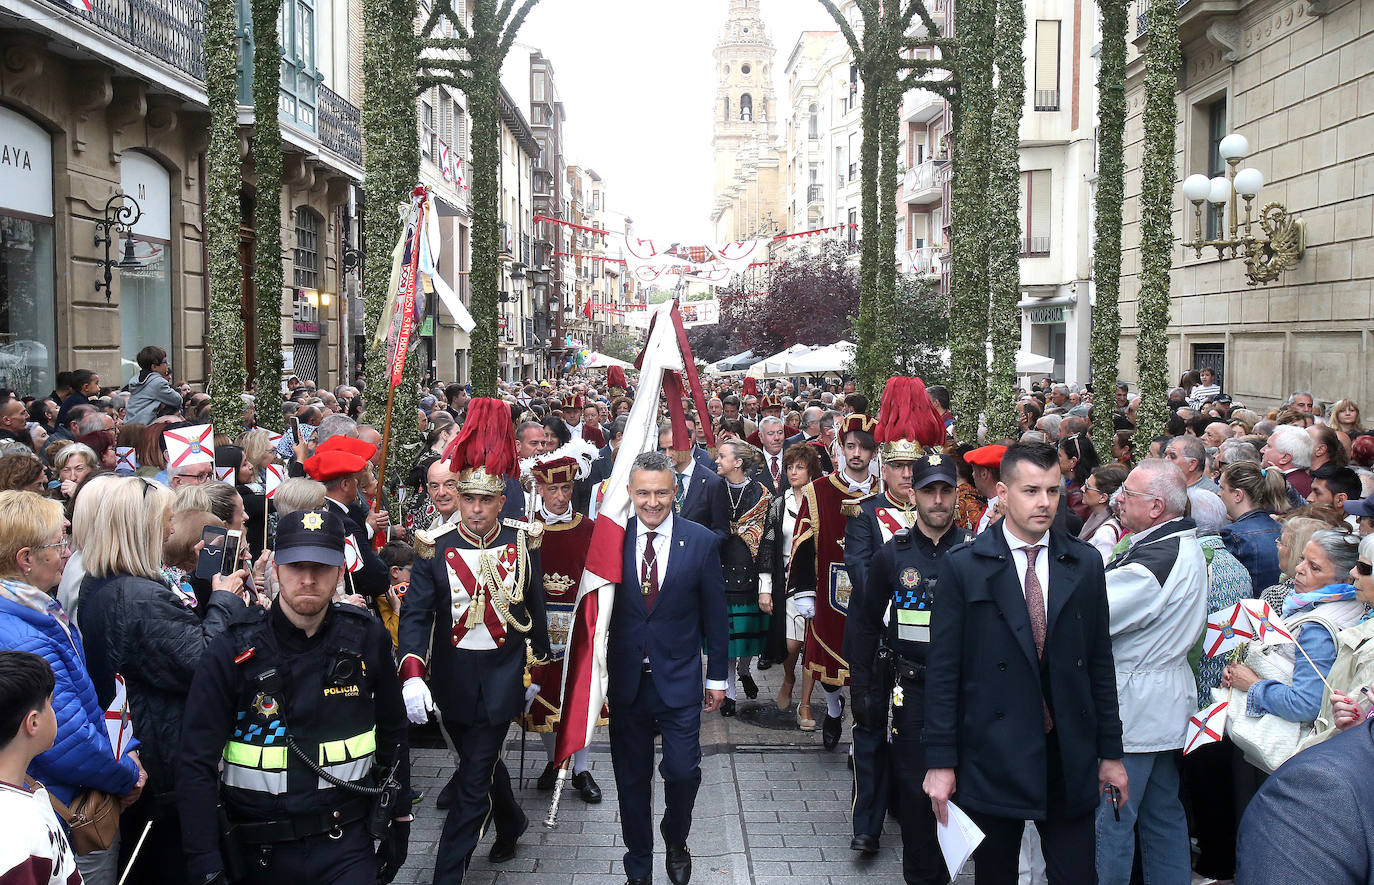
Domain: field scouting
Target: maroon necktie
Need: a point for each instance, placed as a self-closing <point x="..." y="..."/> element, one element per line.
<point x="648" y="573"/>
<point x="777" y="471"/>
<point x="1035" y="607"/>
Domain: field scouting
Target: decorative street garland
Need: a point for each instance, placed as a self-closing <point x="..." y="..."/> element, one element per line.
<point x="267" y="166"/>
<point x="1111" y="111"/>
<point x="224" y="322"/>
<point x="1162" y="61"/>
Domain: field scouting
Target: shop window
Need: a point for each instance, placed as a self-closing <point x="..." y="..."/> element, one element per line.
<point x="307" y="257"/>
<point x="28" y="325"/>
<point x="145" y="291"/>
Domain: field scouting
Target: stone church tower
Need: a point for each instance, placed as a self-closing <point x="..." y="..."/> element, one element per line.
<point x="748" y="183"/>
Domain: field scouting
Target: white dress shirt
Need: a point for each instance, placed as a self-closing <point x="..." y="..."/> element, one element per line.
<point x="663" y="545"/>
<point x="769" y="461"/>
<point x="1042" y="561"/>
<point x="855" y="485"/>
<point x="989" y="513"/>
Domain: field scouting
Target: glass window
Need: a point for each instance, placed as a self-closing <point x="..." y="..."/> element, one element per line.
<point x="145" y="289"/>
<point x="307" y="259"/>
<point x="1047" y="65"/>
<point x="1216" y="166"/>
<point x="28" y="323"/>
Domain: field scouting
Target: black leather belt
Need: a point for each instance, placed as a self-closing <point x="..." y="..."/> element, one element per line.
<point x="304" y="826"/>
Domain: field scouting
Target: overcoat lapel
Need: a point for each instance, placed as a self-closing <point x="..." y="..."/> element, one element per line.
<point x="1006" y="590"/>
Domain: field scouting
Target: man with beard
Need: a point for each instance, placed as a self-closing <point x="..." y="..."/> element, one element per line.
<point x="886" y="638"/>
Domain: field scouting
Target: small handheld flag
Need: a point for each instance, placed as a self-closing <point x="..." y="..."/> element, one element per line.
<point x="274" y="475"/>
<point x="1268" y="628"/>
<point x="190" y="445"/>
<point x="117" y="722"/>
<point x="1225" y="630"/>
<point x="353" y="557"/>
<point x="1205" y="727"/>
<point x="126" y="458"/>
<point x="225" y="474"/>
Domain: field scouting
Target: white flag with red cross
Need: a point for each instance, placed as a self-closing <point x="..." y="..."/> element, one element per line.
<point x="1205" y="727"/>
<point x="274" y="475"/>
<point x="353" y="557"/>
<point x="1225" y="630"/>
<point x="117" y="722"/>
<point x="126" y="458"/>
<point x="1268" y="628"/>
<point x="190" y="445"/>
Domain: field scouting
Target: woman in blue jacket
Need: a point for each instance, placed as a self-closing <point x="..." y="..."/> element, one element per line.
<point x="1252" y="496"/>
<point x="33" y="551"/>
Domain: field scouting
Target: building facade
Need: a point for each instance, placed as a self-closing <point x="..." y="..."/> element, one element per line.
<point x="111" y="101"/>
<point x="1294" y="78"/>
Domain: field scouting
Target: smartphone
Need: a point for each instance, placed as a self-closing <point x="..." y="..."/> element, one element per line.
<point x="209" y="561"/>
<point x="230" y="561"/>
<point x="295" y="430"/>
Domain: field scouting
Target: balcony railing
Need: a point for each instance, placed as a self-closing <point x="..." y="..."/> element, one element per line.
<point x="171" y="30"/>
<point x="921" y="180"/>
<point x="1047" y="99"/>
<point x="340" y="126"/>
<point x="1035" y="246"/>
<point x="815" y="193"/>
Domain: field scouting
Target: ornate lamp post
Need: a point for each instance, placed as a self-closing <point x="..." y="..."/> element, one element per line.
<point x="120" y="219"/>
<point x="1283" y="234"/>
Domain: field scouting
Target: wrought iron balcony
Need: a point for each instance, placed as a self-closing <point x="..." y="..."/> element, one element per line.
<point x="815" y="193"/>
<point x="171" y="30"/>
<point x="1047" y="99"/>
<point x="1033" y="246"/>
<point x="340" y="124"/>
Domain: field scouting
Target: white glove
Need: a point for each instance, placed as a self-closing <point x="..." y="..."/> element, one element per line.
<point x="529" y="695"/>
<point x="805" y="606"/>
<point x="418" y="700"/>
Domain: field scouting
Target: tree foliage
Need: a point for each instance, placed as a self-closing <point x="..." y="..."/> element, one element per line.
<point x="916" y="326"/>
<point x="1162" y="60"/>
<point x="470" y="60"/>
<point x="224" y="333"/>
<point x="811" y="299"/>
<point x="1111" y="112"/>
<point x="267" y="163"/>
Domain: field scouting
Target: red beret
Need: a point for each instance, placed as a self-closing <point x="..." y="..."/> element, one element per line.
<point x="341" y="443"/>
<point x="987" y="456"/>
<point x="324" y="466"/>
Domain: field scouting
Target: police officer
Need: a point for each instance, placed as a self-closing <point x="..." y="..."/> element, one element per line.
<point x="295" y="719"/>
<point x="887" y="661"/>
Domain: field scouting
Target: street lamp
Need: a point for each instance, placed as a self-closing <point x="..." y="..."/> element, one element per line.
<point x="113" y="220"/>
<point x="1283" y="240"/>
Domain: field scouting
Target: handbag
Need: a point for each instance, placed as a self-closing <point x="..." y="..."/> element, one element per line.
<point x="93" y="818"/>
<point x="1268" y="741"/>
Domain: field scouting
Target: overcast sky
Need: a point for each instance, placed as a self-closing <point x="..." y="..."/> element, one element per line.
<point x="638" y="85"/>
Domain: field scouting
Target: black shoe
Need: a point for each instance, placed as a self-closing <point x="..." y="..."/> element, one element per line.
<point x="447" y="794"/>
<point x="417" y="796"/>
<point x="864" y="844"/>
<point x="586" y="787"/>
<point x="830" y="729"/>
<point x="642" y="880"/>
<point x="849" y="761"/>
<point x="727" y="707"/>
<point x="764" y="663"/>
<point x="751" y="688"/>
<point x="503" y="850"/>
<point x="678" y="861"/>
<point x="548" y="777"/>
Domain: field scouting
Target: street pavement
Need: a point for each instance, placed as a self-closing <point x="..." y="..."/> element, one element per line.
<point x="773" y="808"/>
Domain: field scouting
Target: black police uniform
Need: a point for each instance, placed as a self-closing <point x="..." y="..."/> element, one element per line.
<point x="888" y="662"/>
<point x="336" y="696"/>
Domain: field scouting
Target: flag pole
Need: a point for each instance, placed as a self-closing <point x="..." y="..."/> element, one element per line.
<point x="386" y="443"/>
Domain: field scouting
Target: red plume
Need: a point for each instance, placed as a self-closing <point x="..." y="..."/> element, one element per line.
<point x="615" y="377"/>
<point x="487" y="439"/>
<point x="906" y="413"/>
<point x="750" y="387"/>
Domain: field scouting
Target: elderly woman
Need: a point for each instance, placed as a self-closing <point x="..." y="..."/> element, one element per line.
<point x="139" y="627"/>
<point x="294" y="493"/>
<point x="748" y="501"/>
<point x="33" y="550"/>
<point x="71" y="464"/>
<point x="22" y="473"/>
<point x="794" y="589"/>
<point x="1101" y="528"/>
<point x="1321" y="606"/>
<point x="1353" y="673"/>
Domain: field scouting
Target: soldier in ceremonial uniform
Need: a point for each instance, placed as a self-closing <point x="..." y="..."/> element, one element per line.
<point x="906" y="427"/>
<point x="476" y="603"/>
<point x="563" y="555"/>
<point x="291" y="709"/>
<point x="885" y="641"/>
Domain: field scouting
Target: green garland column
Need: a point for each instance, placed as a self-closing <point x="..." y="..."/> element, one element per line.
<point x="484" y="95"/>
<point x="391" y="164"/>
<point x="267" y="164"/>
<point x="224" y="324"/>
<point x="1004" y="228"/>
<point x="1162" y="60"/>
<point x="969" y="217"/>
<point x="1111" y="112"/>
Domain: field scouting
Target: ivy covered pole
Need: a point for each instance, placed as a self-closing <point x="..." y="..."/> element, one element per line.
<point x="1105" y="345"/>
<point x="1162" y="60"/>
<point x="471" y="61"/>
<point x="1004" y="228"/>
<point x="224" y="332"/>
<point x="267" y="164"/>
<point x="969" y="215"/>
<point x="885" y="76"/>
<point x="391" y="167"/>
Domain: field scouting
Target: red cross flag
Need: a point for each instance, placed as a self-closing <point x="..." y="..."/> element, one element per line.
<point x="1205" y="727"/>
<point x="1268" y="628"/>
<point x="353" y="557"/>
<point x="274" y="475"/>
<point x="81" y="5"/>
<point x="190" y="445"/>
<point x="225" y="474"/>
<point x="126" y="458"/>
<point x="117" y="721"/>
<point x="1225" y="630"/>
<point x="272" y="436"/>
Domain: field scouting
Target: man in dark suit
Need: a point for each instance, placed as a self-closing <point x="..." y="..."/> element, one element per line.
<point x="341" y="471"/>
<point x="1310" y="820"/>
<point x="585" y="489"/>
<point x="699" y="453"/>
<point x="810" y="427"/>
<point x="700" y="493"/>
<point x="1021" y="686"/>
<point x="772" y="435"/>
<point x="672" y="596"/>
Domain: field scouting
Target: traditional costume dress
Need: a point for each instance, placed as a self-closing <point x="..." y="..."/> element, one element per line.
<point x="748" y="512"/>
<point x="821" y="524"/>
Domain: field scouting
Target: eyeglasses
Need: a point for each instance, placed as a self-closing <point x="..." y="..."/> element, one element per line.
<point x="1126" y="491"/>
<point x="1364" y="568"/>
<point x="64" y="544"/>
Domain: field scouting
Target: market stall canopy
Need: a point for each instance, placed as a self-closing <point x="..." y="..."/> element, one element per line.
<point x="832" y="359"/>
<point x="1027" y="363"/>
<point x="775" y="366"/>
<point x="732" y="364"/>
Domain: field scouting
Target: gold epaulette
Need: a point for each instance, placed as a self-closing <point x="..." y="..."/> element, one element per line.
<point x="853" y="507"/>
<point x="425" y="539"/>
<point x="533" y="529"/>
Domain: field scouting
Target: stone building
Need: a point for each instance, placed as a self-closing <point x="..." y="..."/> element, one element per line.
<point x="112" y="101"/>
<point x="748" y="165"/>
<point x="1294" y="78"/>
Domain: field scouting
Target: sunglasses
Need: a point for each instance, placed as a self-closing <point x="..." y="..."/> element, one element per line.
<point x="1364" y="568"/>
